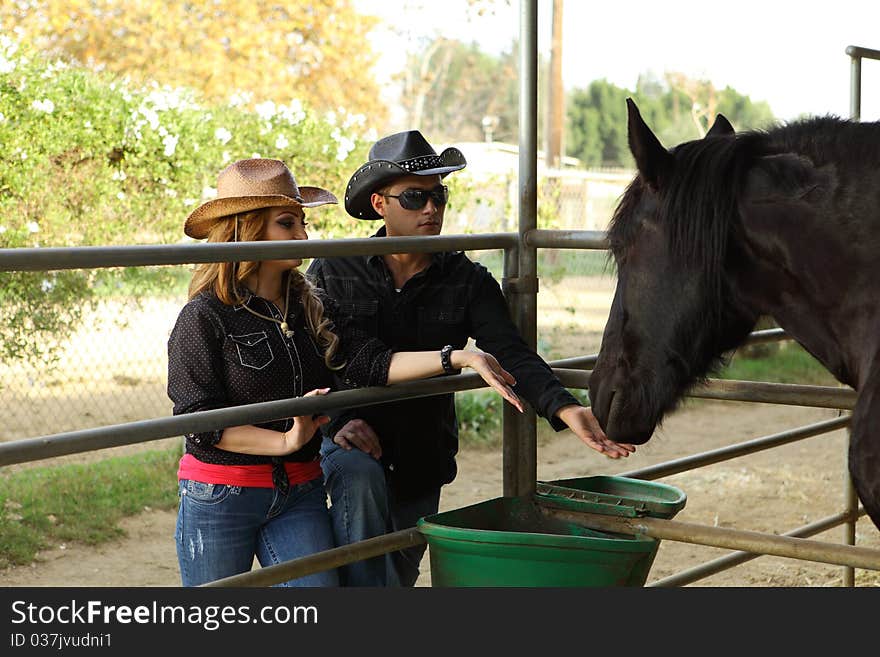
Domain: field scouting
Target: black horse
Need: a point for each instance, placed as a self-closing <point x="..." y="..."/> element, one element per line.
<point x="717" y="232"/>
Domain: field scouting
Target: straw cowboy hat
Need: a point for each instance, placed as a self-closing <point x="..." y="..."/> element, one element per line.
<point x="249" y="185"/>
<point x="400" y="154"/>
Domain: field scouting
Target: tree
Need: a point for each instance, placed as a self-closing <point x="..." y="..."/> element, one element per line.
<point x="596" y="135"/>
<point x="678" y="109"/>
<point x="282" y="51"/>
<point x="87" y="160"/>
<point x="449" y="86"/>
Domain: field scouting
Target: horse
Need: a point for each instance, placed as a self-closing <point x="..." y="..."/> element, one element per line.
<point x="717" y="232"/>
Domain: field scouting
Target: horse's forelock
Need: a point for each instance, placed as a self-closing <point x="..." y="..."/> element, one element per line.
<point x="698" y="208"/>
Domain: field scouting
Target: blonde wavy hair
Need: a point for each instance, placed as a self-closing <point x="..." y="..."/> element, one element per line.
<point x="223" y="279"/>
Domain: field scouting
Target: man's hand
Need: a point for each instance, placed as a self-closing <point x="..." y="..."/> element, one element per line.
<point x="359" y="434"/>
<point x="581" y="420"/>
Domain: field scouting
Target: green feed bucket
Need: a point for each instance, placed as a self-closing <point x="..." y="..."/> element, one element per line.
<point x="508" y="541"/>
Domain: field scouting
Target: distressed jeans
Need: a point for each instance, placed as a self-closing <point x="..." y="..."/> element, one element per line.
<point x="361" y="507"/>
<point x="221" y="528"/>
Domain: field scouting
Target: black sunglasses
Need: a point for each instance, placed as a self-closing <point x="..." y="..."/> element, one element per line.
<point x="416" y="199"/>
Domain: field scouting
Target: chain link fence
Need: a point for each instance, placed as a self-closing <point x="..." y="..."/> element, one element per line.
<point x="112" y="369"/>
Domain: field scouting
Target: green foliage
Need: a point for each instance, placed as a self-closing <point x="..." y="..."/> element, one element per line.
<point x="88" y="160"/>
<point x="674" y="108"/>
<point x="791" y="363"/>
<point x="597" y="126"/>
<point x="41" y="507"/>
<point x="479" y="417"/>
<point x="553" y="264"/>
<point x="450" y="86"/>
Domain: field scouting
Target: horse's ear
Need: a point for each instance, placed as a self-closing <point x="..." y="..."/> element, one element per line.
<point x="652" y="160"/>
<point x="720" y="128"/>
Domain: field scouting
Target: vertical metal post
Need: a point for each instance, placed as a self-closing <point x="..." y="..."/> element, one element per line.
<point x="850" y="499"/>
<point x="526" y="466"/>
<point x="851" y="508"/>
<point x="510" y="417"/>
<point x="855" y="87"/>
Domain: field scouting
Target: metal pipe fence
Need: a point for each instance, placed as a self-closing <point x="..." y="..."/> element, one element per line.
<point x="572" y="372"/>
<point x="736" y="539"/>
<point x="856" y="55"/>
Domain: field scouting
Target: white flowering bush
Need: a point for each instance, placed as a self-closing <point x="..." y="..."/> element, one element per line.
<point x="89" y="160"/>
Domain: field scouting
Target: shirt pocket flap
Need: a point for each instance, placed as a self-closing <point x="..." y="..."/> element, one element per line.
<point x="249" y="339"/>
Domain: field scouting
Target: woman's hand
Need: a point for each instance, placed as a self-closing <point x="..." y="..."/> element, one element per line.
<point x="304" y="427"/>
<point x="487" y="367"/>
<point x="583" y="423"/>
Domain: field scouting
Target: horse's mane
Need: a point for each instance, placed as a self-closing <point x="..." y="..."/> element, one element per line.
<point x="696" y="205"/>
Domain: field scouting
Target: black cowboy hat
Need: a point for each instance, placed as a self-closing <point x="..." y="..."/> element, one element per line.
<point x="401" y="154"/>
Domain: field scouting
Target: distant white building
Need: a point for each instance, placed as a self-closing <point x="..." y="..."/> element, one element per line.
<point x="498" y="157"/>
<point x="571" y="197"/>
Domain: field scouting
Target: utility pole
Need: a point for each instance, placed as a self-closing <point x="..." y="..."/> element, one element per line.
<point x="556" y="93"/>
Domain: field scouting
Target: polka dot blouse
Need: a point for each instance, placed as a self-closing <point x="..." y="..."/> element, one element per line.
<point x="221" y="356"/>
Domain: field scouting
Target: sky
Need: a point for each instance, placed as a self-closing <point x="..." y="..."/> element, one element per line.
<point x="788" y="53"/>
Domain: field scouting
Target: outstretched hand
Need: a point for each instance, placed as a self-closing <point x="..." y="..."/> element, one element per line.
<point x="583" y="423"/>
<point x="490" y="369"/>
<point x="304" y="426"/>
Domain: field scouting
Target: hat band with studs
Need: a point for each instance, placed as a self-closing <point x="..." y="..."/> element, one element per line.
<point x="421" y="163"/>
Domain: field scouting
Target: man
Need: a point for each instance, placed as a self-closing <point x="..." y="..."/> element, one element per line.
<point x="384" y="465"/>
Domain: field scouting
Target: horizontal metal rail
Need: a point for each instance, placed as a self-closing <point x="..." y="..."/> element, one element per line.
<point x="777" y="393"/>
<point x="85" y="440"/>
<point x="738" y="558"/>
<point x="92" y="257"/>
<point x="745" y="448"/>
<point x="863" y="53"/>
<point x="737" y="539"/>
<point x="747" y="391"/>
<point x="567" y="239"/>
<point x="320" y="561"/>
<point x="755" y="337"/>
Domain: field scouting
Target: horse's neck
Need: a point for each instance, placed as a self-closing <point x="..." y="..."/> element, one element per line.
<point x="819" y="289"/>
<point x="829" y="343"/>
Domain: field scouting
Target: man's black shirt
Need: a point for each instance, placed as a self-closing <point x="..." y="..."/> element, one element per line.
<point x="450" y="301"/>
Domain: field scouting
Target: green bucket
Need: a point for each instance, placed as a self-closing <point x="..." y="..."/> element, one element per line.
<point x="508" y="541"/>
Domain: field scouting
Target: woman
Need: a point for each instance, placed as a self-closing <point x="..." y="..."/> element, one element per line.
<point x="255" y="332"/>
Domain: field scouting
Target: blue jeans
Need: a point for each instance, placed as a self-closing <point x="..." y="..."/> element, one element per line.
<point x="361" y="507"/>
<point x="221" y="528"/>
<point x="405" y="514"/>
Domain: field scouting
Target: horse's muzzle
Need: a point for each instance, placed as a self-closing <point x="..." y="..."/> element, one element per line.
<point x="613" y="404"/>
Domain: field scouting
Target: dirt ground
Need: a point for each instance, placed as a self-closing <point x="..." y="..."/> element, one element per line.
<point x="773" y="491"/>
